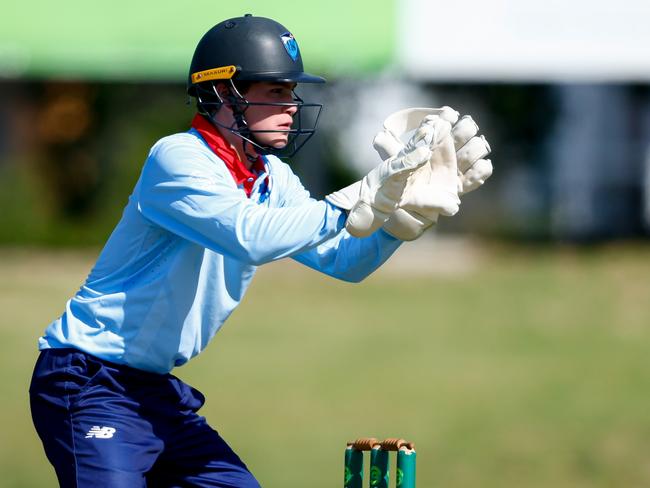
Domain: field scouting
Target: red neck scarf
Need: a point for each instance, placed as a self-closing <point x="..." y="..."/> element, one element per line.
<point x="244" y="177"/>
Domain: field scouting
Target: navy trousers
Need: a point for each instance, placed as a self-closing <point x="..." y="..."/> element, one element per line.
<point x="108" y="425"/>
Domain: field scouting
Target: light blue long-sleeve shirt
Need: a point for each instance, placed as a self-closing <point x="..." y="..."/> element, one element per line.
<point x="185" y="251"/>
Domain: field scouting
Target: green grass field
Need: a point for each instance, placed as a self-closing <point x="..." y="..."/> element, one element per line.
<point x="514" y="367"/>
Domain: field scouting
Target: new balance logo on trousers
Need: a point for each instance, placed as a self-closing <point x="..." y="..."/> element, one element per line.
<point x="122" y="436"/>
<point x="100" y="432"/>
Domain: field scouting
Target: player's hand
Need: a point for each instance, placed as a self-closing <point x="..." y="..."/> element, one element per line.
<point x="426" y="193"/>
<point x="433" y="188"/>
<point x="372" y="200"/>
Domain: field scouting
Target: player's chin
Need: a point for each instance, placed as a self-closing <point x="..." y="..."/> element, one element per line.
<point x="278" y="141"/>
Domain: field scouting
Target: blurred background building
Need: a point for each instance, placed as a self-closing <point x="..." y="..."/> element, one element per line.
<point x="560" y="89"/>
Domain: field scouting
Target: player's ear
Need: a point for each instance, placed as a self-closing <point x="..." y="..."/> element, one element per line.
<point x="225" y="95"/>
<point x="223" y="90"/>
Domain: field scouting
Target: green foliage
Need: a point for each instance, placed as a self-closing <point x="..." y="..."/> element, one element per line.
<point x="34" y="185"/>
<point x="526" y="369"/>
<point x="86" y="40"/>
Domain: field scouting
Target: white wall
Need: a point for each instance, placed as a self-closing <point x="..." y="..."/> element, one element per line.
<point x="528" y="40"/>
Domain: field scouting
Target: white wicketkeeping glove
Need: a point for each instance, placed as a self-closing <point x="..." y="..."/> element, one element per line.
<point x="420" y="205"/>
<point x="371" y="200"/>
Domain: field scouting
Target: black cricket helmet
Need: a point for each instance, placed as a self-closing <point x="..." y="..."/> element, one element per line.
<point x="250" y="49"/>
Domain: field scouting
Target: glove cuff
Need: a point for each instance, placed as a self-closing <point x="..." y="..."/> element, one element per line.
<point x="345" y="198"/>
<point x="407" y="226"/>
<point x="363" y="219"/>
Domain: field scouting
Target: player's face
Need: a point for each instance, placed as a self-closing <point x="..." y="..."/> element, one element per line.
<point x="271" y="117"/>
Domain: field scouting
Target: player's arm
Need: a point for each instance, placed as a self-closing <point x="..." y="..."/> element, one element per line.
<point x="343" y="256"/>
<point x="182" y="192"/>
<point x="350" y="258"/>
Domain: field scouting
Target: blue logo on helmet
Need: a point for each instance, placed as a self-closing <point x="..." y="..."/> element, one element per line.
<point x="290" y="44"/>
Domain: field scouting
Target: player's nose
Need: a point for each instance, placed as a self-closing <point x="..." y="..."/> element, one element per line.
<point x="291" y="109"/>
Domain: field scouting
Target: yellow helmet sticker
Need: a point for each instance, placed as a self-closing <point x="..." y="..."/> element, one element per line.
<point x="221" y="73"/>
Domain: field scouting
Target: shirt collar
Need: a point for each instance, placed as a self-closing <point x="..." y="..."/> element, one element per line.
<point x="244" y="178"/>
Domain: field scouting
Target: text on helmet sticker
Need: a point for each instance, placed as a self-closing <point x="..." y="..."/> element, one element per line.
<point x="221" y="73"/>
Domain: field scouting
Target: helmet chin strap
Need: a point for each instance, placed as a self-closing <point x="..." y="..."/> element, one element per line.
<point x="244" y="133"/>
<point x="238" y="105"/>
<point x="247" y="136"/>
<point x="239" y="127"/>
